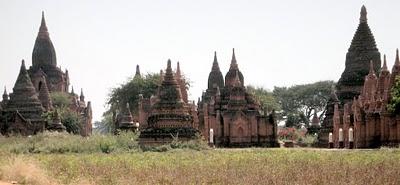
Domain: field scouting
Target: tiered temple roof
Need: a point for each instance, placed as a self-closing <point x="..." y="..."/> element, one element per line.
<point x="230" y="77"/>
<point x="24" y="98"/>
<point x="24" y="108"/>
<point x="169" y="114"/>
<point x="362" y="50"/>
<point x="215" y="77"/>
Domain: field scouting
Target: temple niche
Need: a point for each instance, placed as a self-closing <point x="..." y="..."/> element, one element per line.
<point x="22" y="110"/>
<point x="231" y="117"/>
<point x="357" y="114"/>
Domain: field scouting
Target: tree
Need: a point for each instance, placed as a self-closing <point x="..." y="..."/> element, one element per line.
<point x="104" y="126"/>
<point x="394" y="104"/>
<point x="129" y="92"/>
<point x="298" y="102"/>
<point x="69" y="118"/>
<point x="266" y="98"/>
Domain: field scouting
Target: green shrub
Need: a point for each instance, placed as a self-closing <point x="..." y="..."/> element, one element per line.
<point x="59" y="143"/>
<point x="54" y="142"/>
<point x="198" y="143"/>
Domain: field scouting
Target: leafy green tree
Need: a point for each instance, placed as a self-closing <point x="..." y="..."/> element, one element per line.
<point x="70" y="119"/>
<point x="106" y="125"/>
<point x="129" y="92"/>
<point x="266" y="98"/>
<point x="60" y="99"/>
<point x="394" y="104"/>
<point x="298" y="102"/>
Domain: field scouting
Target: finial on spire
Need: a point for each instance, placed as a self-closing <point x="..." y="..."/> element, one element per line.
<point x="384" y="67"/>
<point x="5" y="94"/>
<point x="23" y="63"/>
<point x="233" y="55"/>
<point x="363" y="14"/>
<point x="178" y="69"/>
<point x="43" y="27"/>
<point x="397" y="62"/>
<point x="82" y="97"/>
<point x="371" y="67"/>
<point x="215" y="66"/>
<point x="169" y="64"/>
<point x="72" y="90"/>
<point x="233" y="62"/>
<point x="137" y="74"/>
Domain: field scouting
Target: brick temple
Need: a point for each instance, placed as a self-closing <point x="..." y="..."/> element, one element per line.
<point x="22" y="110"/>
<point x="168" y="113"/>
<point x="230" y="115"/>
<point x="360" y="101"/>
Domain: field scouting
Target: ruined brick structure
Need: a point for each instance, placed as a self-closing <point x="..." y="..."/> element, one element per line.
<point x="124" y="120"/>
<point x="236" y="118"/>
<point x="22" y="110"/>
<point x="363" y="91"/>
<point x="367" y="114"/>
<point x="168" y="113"/>
<point x="315" y="125"/>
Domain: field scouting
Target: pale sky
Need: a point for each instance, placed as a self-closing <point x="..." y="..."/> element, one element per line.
<point x="277" y="43"/>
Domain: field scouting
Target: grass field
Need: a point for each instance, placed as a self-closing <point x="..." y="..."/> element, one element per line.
<point x="212" y="166"/>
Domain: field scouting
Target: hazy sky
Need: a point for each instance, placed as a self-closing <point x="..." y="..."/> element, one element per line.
<point x="277" y="43"/>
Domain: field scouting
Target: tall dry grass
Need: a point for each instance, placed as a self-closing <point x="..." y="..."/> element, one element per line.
<point x="237" y="166"/>
<point x="51" y="158"/>
<point x="24" y="171"/>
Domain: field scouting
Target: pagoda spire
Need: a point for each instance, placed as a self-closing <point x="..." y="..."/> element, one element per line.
<point x="43" y="26"/>
<point x="169" y="90"/>
<point x="215" y="76"/>
<point x="363" y="15"/>
<point x="5" y="94"/>
<point x="137" y="74"/>
<point x="82" y="97"/>
<point x="362" y="50"/>
<point x="384" y="67"/>
<point x="178" y="70"/>
<point x="23" y="79"/>
<point x="181" y="82"/>
<point x="215" y="66"/>
<point x="43" y="53"/>
<point x="169" y="75"/>
<point x="72" y="91"/>
<point x="24" y="97"/>
<point x="371" y="68"/>
<point x="44" y="95"/>
<point x="396" y="65"/>
<point x="234" y="64"/>
<point x="5" y="90"/>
